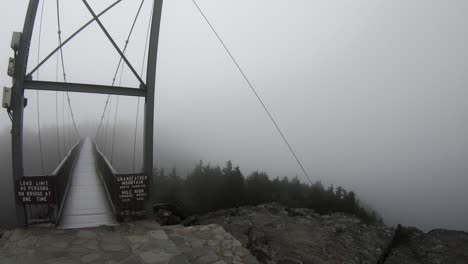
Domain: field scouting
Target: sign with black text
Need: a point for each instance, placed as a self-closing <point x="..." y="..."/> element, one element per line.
<point x="132" y="188"/>
<point x="36" y="190"/>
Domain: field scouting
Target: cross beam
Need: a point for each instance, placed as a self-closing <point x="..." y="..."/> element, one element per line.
<point x="83" y="88"/>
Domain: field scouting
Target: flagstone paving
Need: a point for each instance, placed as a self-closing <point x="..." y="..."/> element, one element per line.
<point x="137" y="242"/>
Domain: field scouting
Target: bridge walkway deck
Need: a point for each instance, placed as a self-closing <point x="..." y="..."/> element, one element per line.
<point x="86" y="204"/>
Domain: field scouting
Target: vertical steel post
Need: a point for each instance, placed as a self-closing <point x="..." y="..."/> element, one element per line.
<point x="17" y="102"/>
<point x="149" y="100"/>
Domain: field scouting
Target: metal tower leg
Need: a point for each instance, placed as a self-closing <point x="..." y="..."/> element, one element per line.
<point x="149" y="100"/>
<point x="21" y="62"/>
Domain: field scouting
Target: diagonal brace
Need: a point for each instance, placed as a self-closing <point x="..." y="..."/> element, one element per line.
<point x="69" y="38"/>
<point x="114" y="44"/>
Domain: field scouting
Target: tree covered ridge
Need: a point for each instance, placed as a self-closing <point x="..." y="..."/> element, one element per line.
<point x="209" y="188"/>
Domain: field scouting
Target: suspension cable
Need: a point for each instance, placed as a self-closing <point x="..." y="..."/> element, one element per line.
<point x="138" y="100"/>
<point x="119" y="63"/>
<point x="57" y="125"/>
<point x="107" y="126"/>
<point x="254" y="91"/>
<point x="69" y="130"/>
<point x="56" y="118"/>
<point x="63" y="124"/>
<point x="63" y="67"/>
<point x="120" y="81"/>
<point x="37" y="92"/>
<point x="115" y="117"/>
<point x="113" y="133"/>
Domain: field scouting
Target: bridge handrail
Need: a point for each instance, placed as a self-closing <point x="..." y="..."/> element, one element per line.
<point x="103" y="174"/>
<point x="109" y="176"/>
<point x="64" y="160"/>
<point x="61" y="164"/>
<point x="61" y="178"/>
<point x="65" y="168"/>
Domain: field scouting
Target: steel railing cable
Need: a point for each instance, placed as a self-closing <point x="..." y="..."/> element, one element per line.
<point x="254" y="91"/>
<point x="107" y="126"/>
<point x="138" y="100"/>
<point x="60" y="42"/>
<point x="69" y="129"/>
<point x="120" y="82"/>
<point x="37" y="92"/>
<point x="56" y="92"/>
<point x="56" y="122"/>
<point x="118" y="66"/>
<point x="63" y="124"/>
<point x="115" y="116"/>
<point x="63" y="68"/>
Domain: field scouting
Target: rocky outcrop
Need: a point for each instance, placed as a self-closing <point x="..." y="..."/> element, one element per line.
<point x="257" y="234"/>
<point x="209" y="244"/>
<point x="435" y="247"/>
<point x="276" y="234"/>
<point x="141" y="242"/>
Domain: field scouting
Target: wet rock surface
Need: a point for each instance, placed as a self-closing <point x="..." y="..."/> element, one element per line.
<point x="435" y="247"/>
<point x="258" y="234"/>
<point x="276" y="234"/>
<point x="209" y="244"/>
<point x="138" y="242"/>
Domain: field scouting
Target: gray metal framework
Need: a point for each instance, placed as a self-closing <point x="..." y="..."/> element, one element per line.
<point x="83" y="88"/>
<point x="21" y="82"/>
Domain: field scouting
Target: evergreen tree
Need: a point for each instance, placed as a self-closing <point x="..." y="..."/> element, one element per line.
<point x="209" y="188"/>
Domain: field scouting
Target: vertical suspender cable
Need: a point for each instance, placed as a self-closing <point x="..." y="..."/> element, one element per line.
<point x="56" y="120"/>
<point x="56" y="111"/>
<point x="115" y="117"/>
<point x="63" y="69"/>
<point x="63" y="124"/>
<point x="37" y="92"/>
<point x="113" y="133"/>
<point x="107" y="125"/>
<point x="117" y="70"/>
<point x="57" y="124"/>
<point x="56" y="92"/>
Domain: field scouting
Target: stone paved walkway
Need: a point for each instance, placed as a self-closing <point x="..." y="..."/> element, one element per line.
<point x="138" y="242"/>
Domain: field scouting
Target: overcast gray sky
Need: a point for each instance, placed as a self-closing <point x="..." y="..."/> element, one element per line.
<point x="371" y="94"/>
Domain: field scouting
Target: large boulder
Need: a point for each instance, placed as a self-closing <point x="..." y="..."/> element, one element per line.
<point x="435" y="247"/>
<point x="276" y="234"/>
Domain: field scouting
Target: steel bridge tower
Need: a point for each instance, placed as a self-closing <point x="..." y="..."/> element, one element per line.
<point x="22" y="80"/>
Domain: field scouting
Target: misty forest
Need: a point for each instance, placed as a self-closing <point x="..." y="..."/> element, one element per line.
<point x="206" y="188"/>
<point x="209" y="188"/>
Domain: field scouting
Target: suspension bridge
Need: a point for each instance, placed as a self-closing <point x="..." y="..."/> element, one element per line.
<point x="85" y="190"/>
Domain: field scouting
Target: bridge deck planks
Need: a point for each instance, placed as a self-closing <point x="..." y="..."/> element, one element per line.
<point x="86" y="204"/>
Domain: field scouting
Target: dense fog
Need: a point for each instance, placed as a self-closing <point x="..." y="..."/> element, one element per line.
<point x="370" y="94"/>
